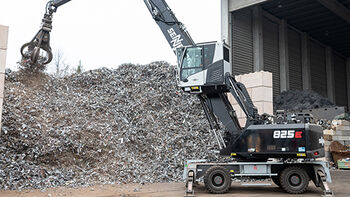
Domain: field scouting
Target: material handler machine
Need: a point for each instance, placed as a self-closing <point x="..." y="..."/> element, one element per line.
<point x="285" y="151"/>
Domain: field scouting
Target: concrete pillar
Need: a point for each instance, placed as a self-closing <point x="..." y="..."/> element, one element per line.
<point x="348" y="80"/>
<point x="225" y="23"/>
<point x="284" y="56"/>
<point x="258" y="39"/>
<point x="330" y="74"/>
<point x="3" y="48"/>
<point x="305" y="61"/>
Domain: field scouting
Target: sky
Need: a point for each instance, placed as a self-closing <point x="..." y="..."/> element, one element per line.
<point x="106" y="33"/>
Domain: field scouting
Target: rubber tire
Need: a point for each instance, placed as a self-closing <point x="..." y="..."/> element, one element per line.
<point x="208" y="180"/>
<point x="276" y="180"/>
<point x="287" y="186"/>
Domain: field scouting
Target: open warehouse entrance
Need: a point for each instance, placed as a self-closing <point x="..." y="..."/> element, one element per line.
<point x="304" y="44"/>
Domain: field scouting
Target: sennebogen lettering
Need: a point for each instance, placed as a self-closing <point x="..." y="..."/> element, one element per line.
<point x="176" y="38"/>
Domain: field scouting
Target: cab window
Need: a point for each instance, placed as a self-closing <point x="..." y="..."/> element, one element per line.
<point x="192" y="62"/>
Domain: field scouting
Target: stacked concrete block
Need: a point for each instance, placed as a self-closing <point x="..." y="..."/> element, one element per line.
<point x="340" y="132"/>
<point x="259" y="87"/>
<point x="328" y="137"/>
<point x="3" y="48"/>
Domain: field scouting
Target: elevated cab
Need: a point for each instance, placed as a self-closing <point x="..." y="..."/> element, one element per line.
<point x="202" y="68"/>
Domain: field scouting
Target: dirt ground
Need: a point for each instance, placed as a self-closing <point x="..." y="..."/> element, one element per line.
<point x="340" y="186"/>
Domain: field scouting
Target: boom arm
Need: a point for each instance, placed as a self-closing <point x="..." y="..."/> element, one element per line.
<point x="173" y="30"/>
<point x="58" y="3"/>
<point x="213" y="98"/>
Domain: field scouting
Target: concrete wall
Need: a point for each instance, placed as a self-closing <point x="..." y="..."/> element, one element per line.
<point x="239" y="4"/>
<point x="3" y="48"/>
<point x="297" y="67"/>
<point x="259" y="87"/>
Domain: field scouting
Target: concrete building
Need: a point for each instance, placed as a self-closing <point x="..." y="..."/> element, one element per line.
<point x="3" y="48"/>
<point x="304" y="44"/>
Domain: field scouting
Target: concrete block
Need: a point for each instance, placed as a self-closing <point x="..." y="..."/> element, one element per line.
<point x="238" y="110"/>
<point x="259" y="106"/>
<point x="343" y="128"/>
<point x="259" y="88"/>
<point x="327" y="143"/>
<point x="268" y="108"/>
<point x="3" y="36"/>
<point x="2" y="60"/>
<point x="342" y="133"/>
<point x="341" y="122"/>
<point x="252" y="79"/>
<point x="238" y="78"/>
<point x="328" y="132"/>
<point x="264" y="107"/>
<point x="242" y="121"/>
<point x="262" y="94"/>
<point x="256" y="79"/>
<point x="266" y="79"/>
<point x="341" y="138"/>
<point x="250" y="91"/>
<point x="231" y="99"/>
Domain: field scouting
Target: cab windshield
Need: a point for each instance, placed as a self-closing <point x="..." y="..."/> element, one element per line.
<point x="191" y="61"/>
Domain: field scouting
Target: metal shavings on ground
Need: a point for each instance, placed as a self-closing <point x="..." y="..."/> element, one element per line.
<point x="129" y="125"/>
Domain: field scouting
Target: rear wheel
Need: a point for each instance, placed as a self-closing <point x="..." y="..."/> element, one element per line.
<point x="294" y="180"/>
<point x="217" y="180"/>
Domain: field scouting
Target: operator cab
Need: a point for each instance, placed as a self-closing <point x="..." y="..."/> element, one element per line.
<point x="202" y="68"/>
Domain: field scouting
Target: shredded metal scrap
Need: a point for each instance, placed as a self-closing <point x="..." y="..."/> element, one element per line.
<point x="132" y="124"/>
<point x="300" y="100"/>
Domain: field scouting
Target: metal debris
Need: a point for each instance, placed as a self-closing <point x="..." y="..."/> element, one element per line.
<point x="128" y="125"/>
<point x="300" y="100"/>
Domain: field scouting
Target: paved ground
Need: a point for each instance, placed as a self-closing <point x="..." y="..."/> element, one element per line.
<point x="340" y="186"/>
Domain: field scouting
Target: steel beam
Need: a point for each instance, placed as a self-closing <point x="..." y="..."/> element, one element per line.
<point x="337" y="8"/>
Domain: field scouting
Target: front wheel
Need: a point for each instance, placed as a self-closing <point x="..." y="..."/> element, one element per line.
<point x="294" y="180"/>
<point x="217" y="180"/>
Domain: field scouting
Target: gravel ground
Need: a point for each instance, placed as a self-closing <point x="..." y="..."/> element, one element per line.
<point x="340" y="187"/>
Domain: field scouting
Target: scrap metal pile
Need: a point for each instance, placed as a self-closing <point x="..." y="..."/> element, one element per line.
<point x="300" y="99"/>
<point x="132" y="124"/>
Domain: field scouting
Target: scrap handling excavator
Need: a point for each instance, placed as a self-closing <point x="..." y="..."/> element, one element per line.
<point x="284" y="151"/>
